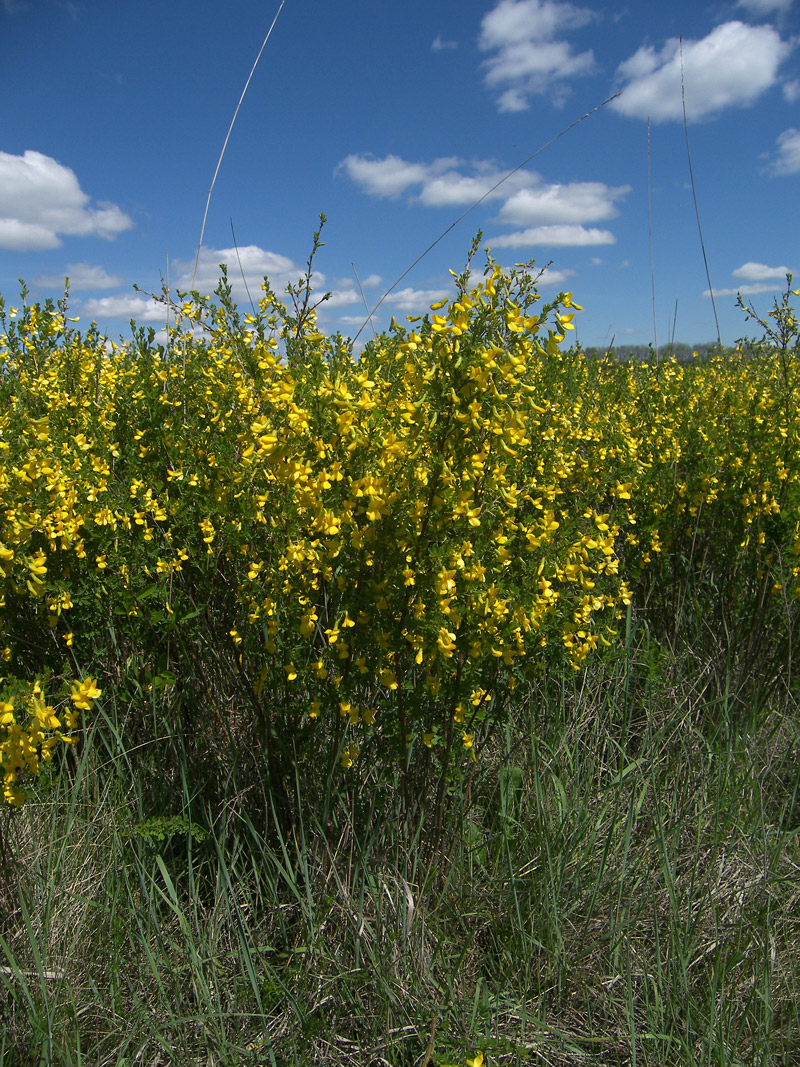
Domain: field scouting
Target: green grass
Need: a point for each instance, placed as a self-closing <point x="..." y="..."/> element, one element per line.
<point x="618" y="886"/>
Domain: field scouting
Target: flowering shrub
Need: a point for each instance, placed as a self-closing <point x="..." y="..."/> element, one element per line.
<point x="373" y="552"/>
<point x="30" y="730"/>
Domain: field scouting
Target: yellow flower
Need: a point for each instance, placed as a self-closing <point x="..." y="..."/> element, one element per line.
<point x="388" y="678"/>
<point x="349" y="754"/>
<point x="84" y="694"/>
<point x="45" y="714"/>
<point x="446" y="642"/>
<point x="37" y="565"/>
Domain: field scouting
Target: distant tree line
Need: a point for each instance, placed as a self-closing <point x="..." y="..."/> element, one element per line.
<point x="683" y="353"/>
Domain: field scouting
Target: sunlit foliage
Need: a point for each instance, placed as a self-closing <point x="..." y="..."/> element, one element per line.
<point x="378" y="548"/>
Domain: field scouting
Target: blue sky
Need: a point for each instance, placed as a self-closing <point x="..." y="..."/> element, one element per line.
<point x="393" y="119"/>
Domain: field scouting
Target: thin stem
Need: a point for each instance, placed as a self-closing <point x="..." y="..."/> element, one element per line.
<point x="480" y="200"/>
<point x="650" y="231"/>
<point x="227" y="137"/>
<point x="696" y="208"/>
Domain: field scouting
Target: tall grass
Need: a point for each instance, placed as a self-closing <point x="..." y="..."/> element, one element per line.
<point x="618" y="886"/>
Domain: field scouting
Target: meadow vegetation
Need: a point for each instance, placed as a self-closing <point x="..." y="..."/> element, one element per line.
<point x="425" y="705"/>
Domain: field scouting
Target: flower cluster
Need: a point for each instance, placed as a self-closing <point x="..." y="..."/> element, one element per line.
<point x="30" y="730"/>
<point x="382" y="547"/>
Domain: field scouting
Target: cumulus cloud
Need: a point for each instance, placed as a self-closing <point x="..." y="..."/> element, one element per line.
<point x="344" y="292"/>
<point x="528" y="201"/>
<point x="340" y="298"/>
<point x="438" y="184"/>
<point x="528" y="56"/>
<point x="573" y="202"/>
<point x="453" y="189"/>
<point x="760" y="272"/>
<point x="787" y="156"/>
<point x="416" y="301"/>
<point x="353" y="320"/>
<point x="556" y="236"/>
<point x="140" y="308"/>
<point x="752" y="289"/>
<point x="765" y="7"/>
<point x="81" y="276"/>
<point x="758" y="278"/>
<point x="390" y="176"/>
<point x="254" y="262"/>
<point x="549" y="278"/>
<point x="41" y="201"/>
<point x="731" y="67"/>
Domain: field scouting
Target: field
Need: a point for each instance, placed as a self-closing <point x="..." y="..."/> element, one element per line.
<point x="430" y="705"/>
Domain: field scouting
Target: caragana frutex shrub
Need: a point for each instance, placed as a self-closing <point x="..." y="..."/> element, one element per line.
<point x="371" y="551"/>
<point x="344" y="562"/>
<point x="713" y="461"/>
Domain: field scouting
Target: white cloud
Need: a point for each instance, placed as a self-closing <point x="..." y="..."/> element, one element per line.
<point x="528" y="200"/>
<point x="550" y="278"/>
<point x="341" y="298"/>
<point x="573" y="202"/>
<point x="556" y="236"/>
<point x="731" y="67"/>
<point x="41" y="201"/>
<point x="140" y="308"/>
<point x="254" y="262"/>
<point x="745" y="290"/>
<point x="439" y="183"/>
<point x="765" y="7"/>
<point x="759" y="278"/>
<point x="440" y="45"/>
<point x="528" y="58"/>
<point x="791" y="91"/>
<point x="787" y="157"/>
<point x="390" y="176"/>
<point x="760" y="272"/>
<point x="353" y="320"/>
<point x="452" y="188"/>
<point x="81" y="276"/>
<point x="416" y="301"/>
